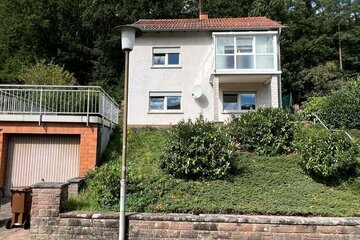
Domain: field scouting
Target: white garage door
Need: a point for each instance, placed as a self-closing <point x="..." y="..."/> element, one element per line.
<point x="35" y="158"/>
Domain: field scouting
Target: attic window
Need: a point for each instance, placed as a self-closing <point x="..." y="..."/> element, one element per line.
<point x="169" y="56"/>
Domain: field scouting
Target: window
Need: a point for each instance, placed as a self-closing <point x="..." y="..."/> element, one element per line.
<point x="244" y="52"/>
<point x="244" y="56"/>
<point x="244" y="101"/>
<point x="225" y="53"/>
<point x="166" y="56"/>
<point x="165" y="101"/>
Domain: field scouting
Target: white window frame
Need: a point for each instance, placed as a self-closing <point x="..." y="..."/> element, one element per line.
<point x="238" y="93"/>
<point x="252" y="53"/>
<point x="166" y="51"/>
<point x="252" y="35"/>
<point x="165" y="95"/>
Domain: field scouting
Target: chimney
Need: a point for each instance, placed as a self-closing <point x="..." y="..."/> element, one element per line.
<point x="204" y="16"/>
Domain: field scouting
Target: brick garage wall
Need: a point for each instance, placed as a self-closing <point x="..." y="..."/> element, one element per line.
<point x="3" y="157"/>
<point x="49" y="223"/>
<point x="88" y="140"/>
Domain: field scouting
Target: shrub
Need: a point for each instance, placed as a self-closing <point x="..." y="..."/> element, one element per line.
<point x="267" y="131"/>
<point x="328" y="156"/>
<point x="342" y="107"/>
<point x="196" y="150"/>
<point x="104" y="185"/>
<point x="43" y="73"/>
<point x="315" y="105"/>
<point x="339" y="109"/>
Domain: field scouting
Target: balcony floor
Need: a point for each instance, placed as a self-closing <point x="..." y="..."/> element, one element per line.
<point x="54" y="118"/>
<point x="232" y="78"/>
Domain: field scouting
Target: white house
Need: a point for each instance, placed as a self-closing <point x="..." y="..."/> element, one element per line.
<point x="181" y="68"/>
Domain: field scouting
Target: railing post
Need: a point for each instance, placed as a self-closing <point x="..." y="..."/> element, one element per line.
<point x="40" y="110"/>
<point x="88" y="107"/>
<point x="103" y="107"/>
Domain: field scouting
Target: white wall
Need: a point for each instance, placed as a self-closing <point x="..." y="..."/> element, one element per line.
<point x="196" y="69"/>
<point x="196" y="65"/>
<point x="265" y="94"/>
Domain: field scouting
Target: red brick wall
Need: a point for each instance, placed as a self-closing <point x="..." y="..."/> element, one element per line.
<point x="260" y="227"/>
<point x="88" y="140"/>
<point x="48" y="222"/>
<point x="3" y="155"/>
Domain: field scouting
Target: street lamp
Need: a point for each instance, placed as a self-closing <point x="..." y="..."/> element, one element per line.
<point x="128" y="34"/>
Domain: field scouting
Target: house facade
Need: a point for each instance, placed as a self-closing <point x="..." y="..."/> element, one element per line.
<point x="181" y="68"/>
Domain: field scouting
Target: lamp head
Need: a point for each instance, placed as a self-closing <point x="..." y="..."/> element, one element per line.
<point x="128" y="34"/>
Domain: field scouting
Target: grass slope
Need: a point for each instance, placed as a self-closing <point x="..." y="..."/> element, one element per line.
<point x="259" y="185"/>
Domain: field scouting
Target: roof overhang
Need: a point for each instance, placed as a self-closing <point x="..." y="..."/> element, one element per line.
<point x="210" y="30"/>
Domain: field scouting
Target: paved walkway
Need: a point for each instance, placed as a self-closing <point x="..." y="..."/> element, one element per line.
<point x="14" y="233"/>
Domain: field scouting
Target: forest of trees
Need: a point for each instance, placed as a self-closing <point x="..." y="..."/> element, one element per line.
<point x="320" y="44"/>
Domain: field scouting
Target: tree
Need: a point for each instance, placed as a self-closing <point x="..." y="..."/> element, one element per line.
<point x="78" y="35"/>
<point x="43" y="73"/>
<point x="323" y="78"/>
<point x="312" y="39"/>
<point x="341" y="16"/>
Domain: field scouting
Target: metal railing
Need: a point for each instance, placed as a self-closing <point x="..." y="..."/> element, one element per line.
<point x="58" y="100"/>
<point x="316" y="118"/>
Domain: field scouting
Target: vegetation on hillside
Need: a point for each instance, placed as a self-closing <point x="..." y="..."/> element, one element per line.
<point x="257" y="185"/>
<point x="327" y="156"/>
<point x="266" y="131"/>
<point x="338" y="109"/>
<point x="78" y="35"/>
<point x="197" y="150"/>
<point x="42" y="73"/>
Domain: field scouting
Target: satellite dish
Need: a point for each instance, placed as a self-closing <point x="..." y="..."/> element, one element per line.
<point x="197" y="92"/>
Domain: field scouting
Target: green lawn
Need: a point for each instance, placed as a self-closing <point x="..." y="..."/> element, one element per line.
<point x="259" y="185"/>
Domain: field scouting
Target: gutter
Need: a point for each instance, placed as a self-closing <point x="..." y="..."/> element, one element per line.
<point x="205" y="30"/>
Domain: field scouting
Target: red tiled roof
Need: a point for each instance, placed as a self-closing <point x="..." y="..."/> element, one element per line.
<point x="255" y="23"/>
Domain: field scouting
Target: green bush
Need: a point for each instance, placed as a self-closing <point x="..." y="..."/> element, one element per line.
<point x="43" y="73"/>
<point x="339" y="109"/>
<point x="104" y="185"/>
<point x="327" y="156"/>
<point x="267" y="131"/>
<point x="315" y="105"/>
<point x="342" y="107"/>
<point x="197" y="150"/>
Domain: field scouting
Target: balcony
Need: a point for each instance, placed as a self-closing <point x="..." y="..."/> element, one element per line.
<point x="45" y="103"/>
<point x="247" y="53"/>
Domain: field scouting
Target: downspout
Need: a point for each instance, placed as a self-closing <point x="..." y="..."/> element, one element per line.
<point x="279" y="68"/>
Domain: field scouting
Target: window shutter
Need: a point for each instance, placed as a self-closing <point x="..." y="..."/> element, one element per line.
<point x="166" y="50"/>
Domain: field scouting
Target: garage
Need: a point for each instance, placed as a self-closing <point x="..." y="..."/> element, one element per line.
<point x="33" y="158"/>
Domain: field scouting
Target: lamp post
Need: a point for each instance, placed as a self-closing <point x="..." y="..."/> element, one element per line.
<point x="128" y="34"/>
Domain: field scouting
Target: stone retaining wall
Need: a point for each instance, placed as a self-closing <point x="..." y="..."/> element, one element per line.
<point x="182" y="226"/>
<point x="75" y="185"/>
<point x="49" y="223"/>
